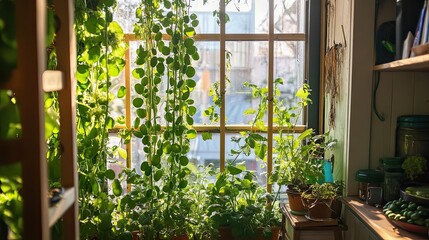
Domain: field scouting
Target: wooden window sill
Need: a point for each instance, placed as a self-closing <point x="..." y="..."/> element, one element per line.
<point x="375" y="220"/>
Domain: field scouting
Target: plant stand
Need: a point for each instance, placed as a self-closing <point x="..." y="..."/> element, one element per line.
<point x="298" y="227"/>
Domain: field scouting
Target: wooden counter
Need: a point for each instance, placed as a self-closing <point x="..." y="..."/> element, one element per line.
<point x="375" y="220"/>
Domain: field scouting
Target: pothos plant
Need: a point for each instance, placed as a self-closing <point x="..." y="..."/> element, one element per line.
<point x="164" y="83"/>
<point x="100" y="57"/>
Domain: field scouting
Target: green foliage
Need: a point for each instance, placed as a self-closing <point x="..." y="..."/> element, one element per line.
<point x="236" y="200"/>
<point x="8" y="45"/>
<point x="10" y="124"/>
<point x="295" y="163"/>
<point x="163" y="88"/>
<point x="414" y="166"/>
<point x="320" y="191"/>
<point x="10" y="199"/>
<point x="100" y="57"/>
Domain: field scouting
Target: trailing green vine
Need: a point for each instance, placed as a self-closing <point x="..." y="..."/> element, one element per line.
<point x="164" y="84"/>
<point x="100" y="56"/>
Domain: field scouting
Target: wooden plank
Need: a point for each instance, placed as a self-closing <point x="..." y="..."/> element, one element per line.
<point x="419" y="63"/>
<point x="66" y="54"/>
<point x="421" y="96"/>
<point x="380" y="130"/>
<point x="298" y="221"/>
<point x="30" y="35"/>
<point x="235" y="37"/>
<point x="57" y="211"/>
<point x="9" y="150"/>
<point x="374" y="219"/>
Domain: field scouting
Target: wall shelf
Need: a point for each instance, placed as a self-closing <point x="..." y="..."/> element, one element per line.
<point x="419" y="63"/>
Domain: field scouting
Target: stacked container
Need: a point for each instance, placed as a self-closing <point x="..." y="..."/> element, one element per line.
<point x="393" y="177"/>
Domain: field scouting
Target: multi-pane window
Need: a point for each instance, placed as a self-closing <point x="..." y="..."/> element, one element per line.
<point x="262" y="41"/>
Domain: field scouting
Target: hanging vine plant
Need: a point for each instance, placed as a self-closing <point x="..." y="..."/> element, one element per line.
<point x="100" y="57"/>
<point x="164" y="84"/>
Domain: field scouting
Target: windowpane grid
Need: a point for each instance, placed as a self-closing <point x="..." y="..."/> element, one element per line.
<point x="265" y="39"/>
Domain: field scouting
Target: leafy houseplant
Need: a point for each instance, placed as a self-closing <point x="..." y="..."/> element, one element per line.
<point x="318" y="199"/>
<point x="239" y="208"/>
<point x="294" y="164"/>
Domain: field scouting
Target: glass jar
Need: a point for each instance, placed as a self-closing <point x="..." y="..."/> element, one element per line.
<point x="392" y="184"/>
<point x="369" y="180"/>
<point x="412" y="135"/>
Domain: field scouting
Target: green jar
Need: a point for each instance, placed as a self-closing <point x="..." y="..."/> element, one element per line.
<point x="368" y="178"/>
<point x="412" y="135"/>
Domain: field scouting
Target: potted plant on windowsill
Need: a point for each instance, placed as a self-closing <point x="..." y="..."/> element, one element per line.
<point x="318" y="199"/>
<point x="241" y="209"/>
<point x="294" y="165"/>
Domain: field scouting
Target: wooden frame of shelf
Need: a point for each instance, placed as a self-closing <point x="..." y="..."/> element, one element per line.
<point x="29" y="80"/>
<point x="419" y="63"/>
<point x="58" y="210"/>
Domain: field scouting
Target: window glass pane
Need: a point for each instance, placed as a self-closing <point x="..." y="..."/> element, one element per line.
<point x="115" y="162"/>
<point x="117" y="105"/>
<point x="137" y="154"/>
<point x="208" y="23"/>
<point x="252" y="163"/>
<point x="289" y="65"/>
<point x="289" y="16"/>
<point x="125" y="14"/>
<point x="249" y="61"/>
<point x="207" y="152"/>
<point x="207" y="73"/>
<point x="249" y="16"/>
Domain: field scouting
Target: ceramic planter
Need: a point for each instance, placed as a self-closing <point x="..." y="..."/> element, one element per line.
<point x="318" y="209"/>
<point x="295" y="202"/>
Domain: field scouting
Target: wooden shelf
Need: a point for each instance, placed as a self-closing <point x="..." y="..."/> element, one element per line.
<point x="58" y="210"/>
<point x="374" y="218"/>
<point x="419" y="63"/>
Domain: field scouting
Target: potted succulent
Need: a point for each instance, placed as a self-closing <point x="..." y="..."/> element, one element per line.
<point x="318" y="199"/>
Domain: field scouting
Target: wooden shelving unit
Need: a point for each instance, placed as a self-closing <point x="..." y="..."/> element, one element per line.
<point x="419" y="63"/>
<point x="29" y="81"/>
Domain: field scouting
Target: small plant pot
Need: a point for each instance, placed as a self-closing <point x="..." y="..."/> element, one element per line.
<point x="318" y="209"/>
<point x="295" y="202"/>
<point x="275" y="233"/>
<point x="336" y="207"/>
<point x="225" y="233"/>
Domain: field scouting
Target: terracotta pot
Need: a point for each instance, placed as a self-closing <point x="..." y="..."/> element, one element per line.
<point x="136" y="235"/>
<point x="295" y="202"/>
<point x="181" y="237"/>
<point x="336" y="207"/>
<point x="274" y="230"/>
<point x="225" y="233"/>
<point x="318" y="209"/>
